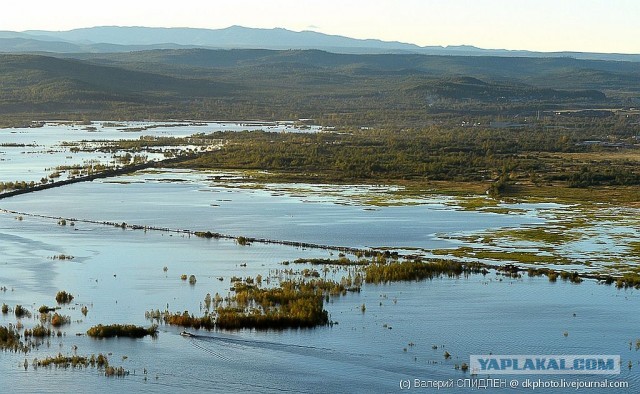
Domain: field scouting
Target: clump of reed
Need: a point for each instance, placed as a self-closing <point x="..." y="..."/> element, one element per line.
<point x="184" y="319"/>
<point x="74" y="361"/>
<point x="121" y="330"/>
<point x="416" y="270"/>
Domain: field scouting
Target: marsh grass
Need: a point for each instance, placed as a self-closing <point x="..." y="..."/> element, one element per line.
<point x="184" y="319"/>
<point x="118" y="372"/>
<point x="521" y="257"/>
<point x="61" y="361"/>
<point x="555" y="236"/>
<point x="342" y="261"/>
<point x="100" y="361"/>
<point x="295" y="304"/>
<point x="417" y="270"/>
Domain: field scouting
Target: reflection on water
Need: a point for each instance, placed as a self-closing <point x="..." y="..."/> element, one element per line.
<point x="194" y="202"/>
<point x="118" y="274"/>
<point x="28" y="154"/>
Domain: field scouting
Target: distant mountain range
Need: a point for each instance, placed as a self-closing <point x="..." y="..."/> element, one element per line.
<point x="109" y="39"/>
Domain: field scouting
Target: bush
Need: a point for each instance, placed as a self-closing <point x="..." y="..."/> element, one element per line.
<point x="186" y="320"/>
<point x="57" y="320"/>
<point x="121" y="330"/>
<point x="46" y="309"/>
<point x="20" y="311"/>
<point x="9" y="337"/>
<point x="38" y="332"/>
<point x="63" y="297"/>
<point x="242" y="241"/>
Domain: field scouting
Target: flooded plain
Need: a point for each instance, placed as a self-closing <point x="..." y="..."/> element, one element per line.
<point x="28" y="154"/>
<point x="119" y="274"/>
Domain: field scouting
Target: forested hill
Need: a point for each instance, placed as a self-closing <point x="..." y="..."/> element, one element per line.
<point x="563" y="73"/>
<point x="238" y="84"/>
<point x="44" y="83"/>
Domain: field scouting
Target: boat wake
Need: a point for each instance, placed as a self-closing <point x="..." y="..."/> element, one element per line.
<point x="238" y="350"/>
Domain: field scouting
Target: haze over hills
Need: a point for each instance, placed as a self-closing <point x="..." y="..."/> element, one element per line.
<point x="242" y="73"/>
<point x="107" y="39"/>
<point x="268" y="84"/>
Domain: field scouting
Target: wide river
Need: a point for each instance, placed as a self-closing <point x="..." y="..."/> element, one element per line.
<point x="119" y="274"/>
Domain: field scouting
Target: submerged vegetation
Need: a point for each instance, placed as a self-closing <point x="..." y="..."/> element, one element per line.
<point x="417" y="270"/>
<point x="100" y="362"/>
<point x="9" y="338"/>
<point x="292" y="305"/>
<point x="58" y="320"/>
<point x="63" y="297"/>
<point x="21" y="311"/>
<point x="39" y="331"/>
<point x="299" y="303"/>
<point x="184" y="319"/>
<point x="121" y="330"/>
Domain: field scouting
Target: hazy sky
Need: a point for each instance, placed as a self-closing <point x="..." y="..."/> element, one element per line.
<point x="541" y="25"/>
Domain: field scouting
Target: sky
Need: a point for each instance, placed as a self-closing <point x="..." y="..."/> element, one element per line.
<point x="610" y="26"/>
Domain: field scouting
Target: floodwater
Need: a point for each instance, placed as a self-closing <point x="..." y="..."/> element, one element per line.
<point x="28" y="154"/>
<point x="118" y="274"/>
<point x="196" y="201"/>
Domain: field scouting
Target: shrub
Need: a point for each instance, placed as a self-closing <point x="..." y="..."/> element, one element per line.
<point x="63" y="297"/>
<point x="415" y="270"/>
<point x="62" y="361"/>
<point x="186" y="320"/>
<point x="57" y="320"/>
<point x="9" y="337"/>
<point x="117" y="372"/>
<point x="46" y="309"/>
<point x="38" y="332"/>
<point x="242" y="241"/>
<point x="20" y="311"/>
<point x="121" y="330"/>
